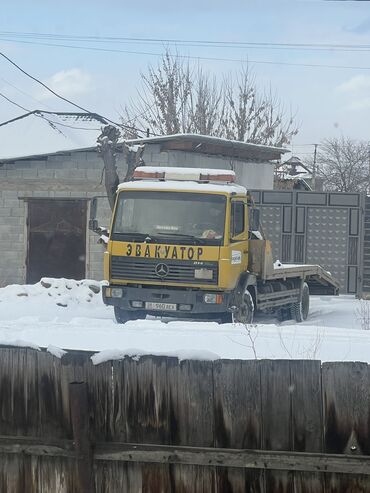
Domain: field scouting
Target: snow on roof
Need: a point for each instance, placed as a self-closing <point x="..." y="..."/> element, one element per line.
<point x="203" y="144"/>
<point x="182" y="186"/>
<point x="205" y="138"/>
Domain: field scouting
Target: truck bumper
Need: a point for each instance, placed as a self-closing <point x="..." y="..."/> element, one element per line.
<point x="183" y="302"/>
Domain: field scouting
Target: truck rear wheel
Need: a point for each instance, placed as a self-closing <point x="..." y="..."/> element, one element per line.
<point x="245" y="311"/>
<point x="301" y="308"/>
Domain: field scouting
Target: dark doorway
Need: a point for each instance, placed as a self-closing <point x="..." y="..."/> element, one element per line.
<point x="56" y="239"/>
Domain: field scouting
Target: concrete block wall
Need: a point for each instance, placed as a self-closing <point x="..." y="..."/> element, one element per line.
<point x="74" y="175"/>
<point x="12" y="237"/>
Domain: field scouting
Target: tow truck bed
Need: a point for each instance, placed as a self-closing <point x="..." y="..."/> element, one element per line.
<point x="318" y="279"/>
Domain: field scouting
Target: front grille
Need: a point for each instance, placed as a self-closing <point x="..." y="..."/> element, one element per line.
<point x="143" y="269"/>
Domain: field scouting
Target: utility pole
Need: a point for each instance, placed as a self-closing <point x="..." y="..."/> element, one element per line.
<point x="314" y="168"/>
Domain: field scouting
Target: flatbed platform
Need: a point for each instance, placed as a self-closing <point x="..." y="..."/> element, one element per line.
<point x="319" y="280"/>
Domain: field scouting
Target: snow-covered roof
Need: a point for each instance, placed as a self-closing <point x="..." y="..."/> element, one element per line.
<point x="214" y="145"/>
<point x="34" y="157"/>
<point x="182" y="186"/>
<point x="203" y="144"/>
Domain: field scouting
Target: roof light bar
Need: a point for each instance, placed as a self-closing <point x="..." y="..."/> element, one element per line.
<point x="139" y="173"/>
<point x="183" y="174"/>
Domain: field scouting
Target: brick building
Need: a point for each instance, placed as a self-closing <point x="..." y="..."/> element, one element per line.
<point x="44" y="200"/>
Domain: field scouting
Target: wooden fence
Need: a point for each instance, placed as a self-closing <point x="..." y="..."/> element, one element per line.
<point x="158" y="425"/>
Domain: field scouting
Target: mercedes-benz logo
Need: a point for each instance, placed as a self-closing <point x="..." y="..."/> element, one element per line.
<point x="161" y="270"/>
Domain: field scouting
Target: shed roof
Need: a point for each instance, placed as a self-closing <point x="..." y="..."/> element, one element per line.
<point x="203" y="144"/>
<point x="214" y="145"/>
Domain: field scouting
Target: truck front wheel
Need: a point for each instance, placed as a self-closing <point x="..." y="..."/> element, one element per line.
<point x="244" y="312"/>
<point x="301" y="308"/>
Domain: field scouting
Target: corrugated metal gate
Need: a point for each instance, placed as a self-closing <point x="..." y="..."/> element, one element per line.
<point x="322" y="228"/>
<point x="365" y="276"/>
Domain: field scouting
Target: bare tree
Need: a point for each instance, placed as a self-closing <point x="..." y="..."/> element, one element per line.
<point x="164" y="98"/>
<point x="343" y="164"/>
<point x="251" y="117"/>
<point x="176" y="99"/>
<point x="206" y="106"/>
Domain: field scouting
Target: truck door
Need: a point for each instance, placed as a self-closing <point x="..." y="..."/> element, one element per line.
<point x="238" y="236"/>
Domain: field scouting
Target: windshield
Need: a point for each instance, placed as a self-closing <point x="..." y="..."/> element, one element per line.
<point x="177" y="216"/>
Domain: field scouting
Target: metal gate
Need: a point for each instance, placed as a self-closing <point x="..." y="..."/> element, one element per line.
<point x="56" y="239"/>
<point x="322" y="228"/>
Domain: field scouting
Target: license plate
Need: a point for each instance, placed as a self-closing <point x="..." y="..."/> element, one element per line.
<point x="166" y="307"/>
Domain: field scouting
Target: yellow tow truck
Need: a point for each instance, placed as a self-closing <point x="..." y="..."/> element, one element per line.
<point x="185" y="242"/>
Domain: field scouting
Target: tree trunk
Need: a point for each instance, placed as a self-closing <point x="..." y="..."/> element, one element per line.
<point x="107" y="147"/>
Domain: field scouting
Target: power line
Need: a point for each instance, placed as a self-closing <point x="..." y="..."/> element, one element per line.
<point x="189" y="57"/>
<point x="127" y="122"/>
<point x="23" y="92"/>
<point x="42" y="113"/>
<point x="102" y="119"/>
<point x="51" y="90"/>
<point x="187" y="42"/>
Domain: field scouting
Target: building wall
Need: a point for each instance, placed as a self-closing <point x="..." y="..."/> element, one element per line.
<point x="248" y="173"/>
<point x="79" y="175"/>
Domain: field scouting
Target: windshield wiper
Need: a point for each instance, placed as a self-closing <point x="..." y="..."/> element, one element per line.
<point x="200" y="241"/>
<point x="137" y="235"/>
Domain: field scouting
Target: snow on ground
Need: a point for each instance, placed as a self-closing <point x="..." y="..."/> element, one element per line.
<point x="60" y="313"/>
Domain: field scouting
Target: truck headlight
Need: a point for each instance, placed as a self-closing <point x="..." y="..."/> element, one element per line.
<point x="203" y="274"/>
<point x="116" y="292"/>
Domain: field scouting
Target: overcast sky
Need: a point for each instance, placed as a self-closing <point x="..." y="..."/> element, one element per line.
<point x="328" y="102"/>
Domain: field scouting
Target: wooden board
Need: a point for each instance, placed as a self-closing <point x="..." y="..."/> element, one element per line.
<point x="190" y="387"/>
<point x="18" y="392"/>
<point x="237" y="409"/>
<point x="346" y="400"/>
<point x="307" y="421"/>
<point x="78" y="367"/>
<point x="142" y="412"/>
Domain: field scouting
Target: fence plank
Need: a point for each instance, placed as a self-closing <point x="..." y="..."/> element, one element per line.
<point x="18" y="392"/>
<point x="141" y="410"/>
<point x="346" y="396"/>
<point x="53" y="421"/>
<point x="81" y="436"/>
<point x="307" y="421"/>
<point x="141" y="400"/>
<point x="190" y="386"/>
<point x="77" y="367"/>
<point x="237" y="407"/>
<point x="117" y="477"/>
<point x="55" y="475"/>
<point x="276" y="418"/>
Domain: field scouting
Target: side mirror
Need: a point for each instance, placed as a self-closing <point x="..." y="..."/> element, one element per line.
<point x="254" y="219"/>
<point x="93" y="224"/>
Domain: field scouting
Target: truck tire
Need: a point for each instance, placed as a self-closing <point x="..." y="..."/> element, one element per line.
<point x="245" y="311"/>
<point x="301" y="308"/>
